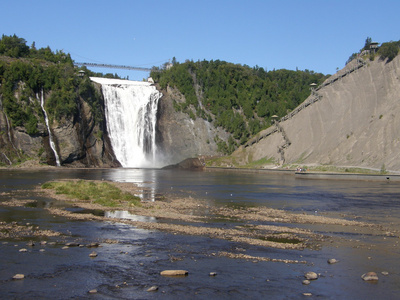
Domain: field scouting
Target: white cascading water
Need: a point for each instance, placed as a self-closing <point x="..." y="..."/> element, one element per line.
<point x="46" y="119"/>
<point x="131" y="116"/>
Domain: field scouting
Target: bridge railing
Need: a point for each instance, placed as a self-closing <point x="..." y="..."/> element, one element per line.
<point x="112" y="66"/>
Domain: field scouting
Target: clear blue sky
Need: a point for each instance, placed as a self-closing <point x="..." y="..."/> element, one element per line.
<point x="318" y="35"/>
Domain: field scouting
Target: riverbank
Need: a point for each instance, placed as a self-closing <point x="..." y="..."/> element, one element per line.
<point x="311" y="174"/>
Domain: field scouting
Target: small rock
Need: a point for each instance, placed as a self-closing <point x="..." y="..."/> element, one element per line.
<point x="153" y="288"/>
<point x="65" y="247"/>
<point x="30" y="244"/>
<point x="306" y="282"/>
<point x="385" y="273"/>
<point x="94" y="291"/>
<point x="42" y="250"/>
<point x="93" y="254"/>
<point x="213" y="273"/>
<point x="72" y="244"/>
<point x="93" y="245"/>
<point x="19" y="276"/>
<point x="43" y="243"/>
<point x="174" y="273"/>
<point x="370" y="276"/>
<point x="307" y="294"/>
<point x="311" y="276"/>
<point x="332" y="261"/>
<point x="23" y="250"/>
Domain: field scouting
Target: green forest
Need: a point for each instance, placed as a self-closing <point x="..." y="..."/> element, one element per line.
<point x="238" y="98"/>
<point x="26" y="72"/>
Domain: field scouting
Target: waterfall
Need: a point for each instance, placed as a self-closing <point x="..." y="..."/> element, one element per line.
<point x="46" y="119"/>
<point x="131" y="115"/>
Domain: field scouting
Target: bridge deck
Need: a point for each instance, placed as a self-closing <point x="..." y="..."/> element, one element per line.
<point x="111" y="66"/>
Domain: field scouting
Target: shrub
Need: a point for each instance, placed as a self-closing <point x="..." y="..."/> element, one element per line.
<point x="389" y="50"/>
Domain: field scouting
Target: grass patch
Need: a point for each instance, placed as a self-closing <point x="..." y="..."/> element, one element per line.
<point x="102" y="193"/>
<point x="261" y="162"/>
<point x="334" y="169"/>
<point x="220" y="161"/>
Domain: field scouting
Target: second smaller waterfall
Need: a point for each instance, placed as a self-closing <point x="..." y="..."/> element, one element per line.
<point x="46" y="119"/>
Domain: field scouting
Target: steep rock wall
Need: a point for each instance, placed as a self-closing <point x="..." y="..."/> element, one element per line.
<point x="80" y="142"/>
<point x="180" y="137"/>
<point x="355" y="122"/>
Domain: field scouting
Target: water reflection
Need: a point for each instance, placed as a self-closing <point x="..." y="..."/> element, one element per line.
<point x="123" y="214"/>
<point x="144" y="178"/>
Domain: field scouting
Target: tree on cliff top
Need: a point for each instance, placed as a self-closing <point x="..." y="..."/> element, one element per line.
<point x="13" y="46"/>
<point x="389" y="50"/>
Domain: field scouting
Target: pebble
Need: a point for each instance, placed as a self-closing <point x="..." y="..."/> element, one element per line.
<point x="370" y="276"/>
<point x="307" y="294"/>
<point x="213" y="273"/>
<point x="43" y="243"/>
<point x="385" y="273"/>
<point x="174" y="273"/>
<point x="153" y="288"/>
<point x="23" y="250"/>
<point x="311" y="276"/>
<point x="19" y="276"/>
<point x="93" y="254"/>
<point x="332" y="261"/>
<point x="94" y="291"/>
<point x="65" y="247"/>
<point x="42" y="250"/>
<point x="306" y="282"/>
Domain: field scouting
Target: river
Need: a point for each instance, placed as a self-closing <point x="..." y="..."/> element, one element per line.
<point x="125" y="270"/>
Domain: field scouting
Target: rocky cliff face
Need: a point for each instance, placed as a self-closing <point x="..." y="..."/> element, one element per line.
<point x="179" y="136"/>
<point x="353" y="119"/>
<point x="79" y="141"/>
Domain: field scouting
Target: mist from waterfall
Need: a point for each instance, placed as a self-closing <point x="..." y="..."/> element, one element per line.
<point x="131" y="116"/>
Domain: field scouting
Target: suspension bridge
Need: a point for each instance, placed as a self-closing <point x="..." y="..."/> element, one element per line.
<point x="112" y="66"/>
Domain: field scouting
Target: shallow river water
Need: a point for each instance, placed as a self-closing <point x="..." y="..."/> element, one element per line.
<point x="127" y="269"/>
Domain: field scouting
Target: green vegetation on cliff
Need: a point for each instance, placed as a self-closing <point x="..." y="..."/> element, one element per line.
<point x="26" y="72"/>
<point x="241" y="99"/>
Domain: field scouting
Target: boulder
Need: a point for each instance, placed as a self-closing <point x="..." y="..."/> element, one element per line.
<point x="18" y="276"/>
<point x="370" y="276"/>
<point x="174" y="273"/>
<point x="188" y="164"/>
<point x="153" y="288"/>
<point x="332" y="261"/>
<point x="311" y="276"/>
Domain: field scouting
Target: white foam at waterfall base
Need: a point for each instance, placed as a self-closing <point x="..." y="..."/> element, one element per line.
<point x="131" y="112"/>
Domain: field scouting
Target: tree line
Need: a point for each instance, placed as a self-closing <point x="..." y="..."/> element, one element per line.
<point x="26" y="72"/>
<point x="241" y="99"/>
